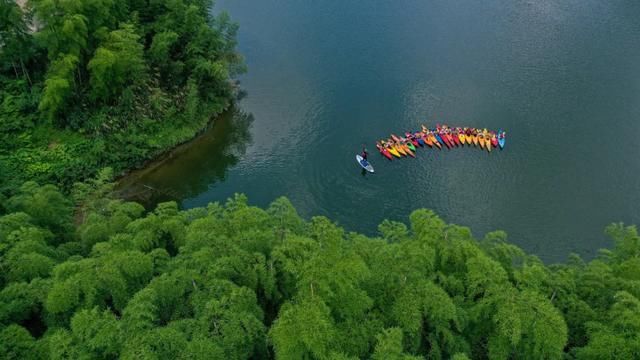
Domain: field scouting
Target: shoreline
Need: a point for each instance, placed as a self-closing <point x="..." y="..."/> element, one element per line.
<point x="156" y="160"/>
<point x="127" y="178"/>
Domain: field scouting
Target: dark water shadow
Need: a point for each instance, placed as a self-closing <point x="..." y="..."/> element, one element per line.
<point x="192" y="167"/>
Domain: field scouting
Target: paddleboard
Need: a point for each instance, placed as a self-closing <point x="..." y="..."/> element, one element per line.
<point x="364" y="163"/>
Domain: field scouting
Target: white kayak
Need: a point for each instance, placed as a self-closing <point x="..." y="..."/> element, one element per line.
<point x="364" y="163"/>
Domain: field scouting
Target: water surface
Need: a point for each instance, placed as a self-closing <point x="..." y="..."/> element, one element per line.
<point x="562" y="77"/>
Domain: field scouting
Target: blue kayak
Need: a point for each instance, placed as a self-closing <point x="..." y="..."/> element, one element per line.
<point x="501" y="140"/>
<point x="364" y="163"/>
<point x="439" y="139"/>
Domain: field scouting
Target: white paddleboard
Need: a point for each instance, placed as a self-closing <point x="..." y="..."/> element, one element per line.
<point x="364" y="163"/>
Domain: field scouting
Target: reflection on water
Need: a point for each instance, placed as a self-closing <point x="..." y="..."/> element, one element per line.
<point x="561" y="76"/>
<point x="173" y="177"/>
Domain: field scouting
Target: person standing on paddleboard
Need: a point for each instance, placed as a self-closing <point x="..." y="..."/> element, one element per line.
<point x="364" y="152"/>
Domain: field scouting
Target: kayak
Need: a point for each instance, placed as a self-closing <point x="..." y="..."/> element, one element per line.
<point x="451" y="140"/>
<point x="474" y="137"/>
<point x="410" y="153"/>
<point x="410" y="145"/>
<point x="463" y="140"/>
<point x="421" y="140"/>
<point x="364" y="163"/>
<point x="415" y="138"/>
<point x="394" y="152"/>
<point x="501" y="139"/>
<point x="456" y="139"/>
<point x="440" y="140"/>
<point x="400" y="149"/>
<point x="427" y="140"/>
<point x="487" y="140"/>
<point x="481" y="141"/>
<point x="384" y="151"/>
<point x="396" y="139"/>
<point x="469" y="139"/>
<point x="435" y="141"/>
<point x="494" y="140"/>
<point x="443" y="138"/>
<point x="412" y="139"/>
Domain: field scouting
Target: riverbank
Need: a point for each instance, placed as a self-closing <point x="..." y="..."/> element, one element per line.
<point x="64" y="157"/>
<point x="118" y="94"/>
<point x="170" y="176"/>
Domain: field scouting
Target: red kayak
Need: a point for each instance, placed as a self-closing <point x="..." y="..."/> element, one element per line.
<point x="445" y="137"/>
<point x="494" y="140"/>
<point x="456" y="139"/>
<point x="384" y="152"/>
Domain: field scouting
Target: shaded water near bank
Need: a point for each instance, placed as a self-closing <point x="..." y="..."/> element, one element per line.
<point x="562" y="77"/>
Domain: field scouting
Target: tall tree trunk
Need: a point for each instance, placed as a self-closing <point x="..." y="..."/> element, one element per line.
<point x="15" y="70"/>
<point x="25" y="72"/>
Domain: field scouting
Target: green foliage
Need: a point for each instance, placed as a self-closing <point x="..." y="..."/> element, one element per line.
<point x="389" y="346"/>
<point x="234" y="281"/>
<point x="58" y="86"/>
<point x="46" y="206"/>
<point x="89" y="84"/>
<point x="116" y="64"/>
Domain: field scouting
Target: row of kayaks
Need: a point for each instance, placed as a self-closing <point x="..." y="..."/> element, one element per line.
<point x="441" y="136"/>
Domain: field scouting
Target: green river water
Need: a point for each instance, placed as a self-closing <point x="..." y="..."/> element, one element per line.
<point x="561" y="77"/>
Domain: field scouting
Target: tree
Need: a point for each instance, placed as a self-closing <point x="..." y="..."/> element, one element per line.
<point x="303" y="330"/>
<point x="46" y="206"/>
<point x="117" y="63"/>
<point x="59" y="86"/>
<point x="239" y="282"/>
<point x="389" y="346"/>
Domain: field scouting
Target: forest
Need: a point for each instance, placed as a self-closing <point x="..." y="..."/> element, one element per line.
<point x="91" y="88"/>
<point x="85" y="275"/>
<point x="87" y="84"/>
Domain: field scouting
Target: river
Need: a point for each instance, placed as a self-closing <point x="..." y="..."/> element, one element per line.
<point x="561" y="77"/>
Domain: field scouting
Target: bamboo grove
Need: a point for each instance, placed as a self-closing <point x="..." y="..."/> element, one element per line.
<point x="86" y="84"/>
<point x="88" y="276"/>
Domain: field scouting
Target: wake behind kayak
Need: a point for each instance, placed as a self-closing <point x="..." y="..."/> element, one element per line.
<point x="364" y="163"/>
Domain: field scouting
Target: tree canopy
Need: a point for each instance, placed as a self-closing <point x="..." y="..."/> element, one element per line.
<point x="88" y="276"/>
<point x="89" y="84"/>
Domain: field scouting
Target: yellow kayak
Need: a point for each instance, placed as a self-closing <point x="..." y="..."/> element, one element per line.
<point x="400" y="149"/>
<point x="463" y="140"/>
<point x="468" y="139"/>
<point x="474" y="137"/>
<point x="393" y="151"/>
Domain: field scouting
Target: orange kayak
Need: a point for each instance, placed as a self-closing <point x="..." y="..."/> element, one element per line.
<point x="435" y="141"/>
<point x="427" y="140"/>
<point x="481" y="141"/>
<point x="409" y="151"/>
